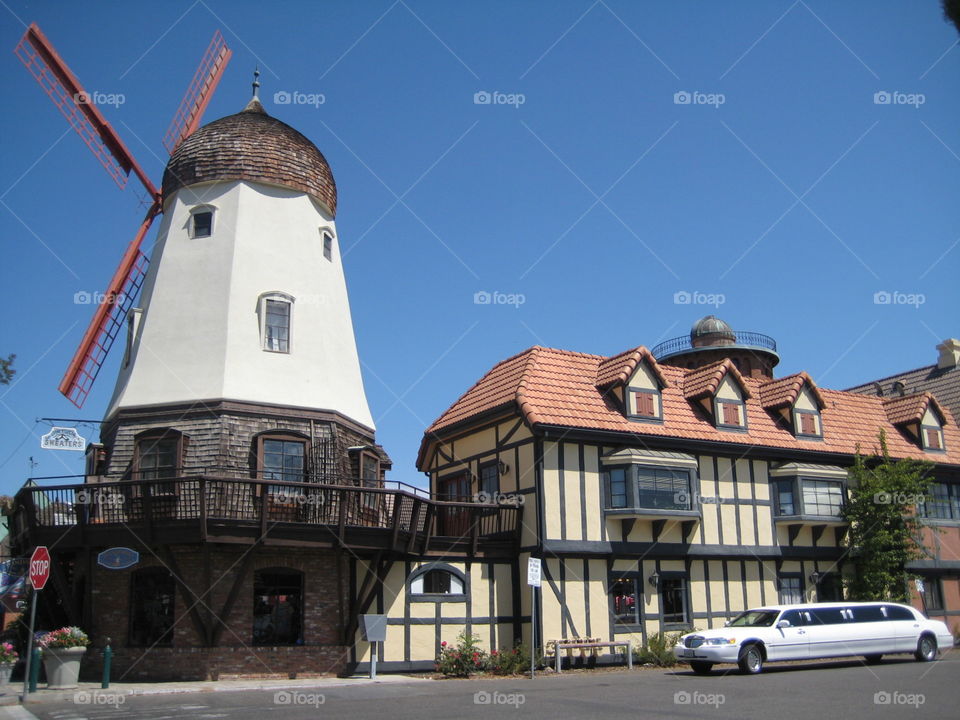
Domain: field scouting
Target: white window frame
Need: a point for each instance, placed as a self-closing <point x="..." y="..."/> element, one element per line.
<point x="196" y="210"/>
<point x="327" y="232"/>
<point x="275" y="296"/>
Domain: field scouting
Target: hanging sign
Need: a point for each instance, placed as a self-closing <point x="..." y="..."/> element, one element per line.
<point x="60" y="438"/>
<point x="118" y="558"/>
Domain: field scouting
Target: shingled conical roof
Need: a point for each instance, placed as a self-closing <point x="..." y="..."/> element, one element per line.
<point x="251" y="145"/>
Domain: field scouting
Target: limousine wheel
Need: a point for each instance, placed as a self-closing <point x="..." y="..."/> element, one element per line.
<point x="926" y="649"/>
<point x="751" y="660"/>
<point x="701" y="668"/>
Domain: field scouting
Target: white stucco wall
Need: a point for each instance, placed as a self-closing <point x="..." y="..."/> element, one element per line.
<point x="199" y="336"/>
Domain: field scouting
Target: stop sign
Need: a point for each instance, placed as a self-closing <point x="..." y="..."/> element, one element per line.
<point x="40" y="567"/>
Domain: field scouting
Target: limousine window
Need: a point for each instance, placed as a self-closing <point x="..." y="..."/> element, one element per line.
<point x="754" y="618"/>
<point x="869" y="613"/>
<point x="895" y="612"/>
<point x="797" y="618"/>
<point x="829" y="616"/>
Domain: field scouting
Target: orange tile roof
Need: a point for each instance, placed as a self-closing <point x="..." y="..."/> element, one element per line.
<point x="560" y="388"/>
<point x="619" y="368"/>
<point x="910" y="408"/>
<point x="784" y="391"/>
<point x="705" y="380"/>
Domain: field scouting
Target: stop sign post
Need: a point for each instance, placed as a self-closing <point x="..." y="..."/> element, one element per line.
<point x="39" y="574"/>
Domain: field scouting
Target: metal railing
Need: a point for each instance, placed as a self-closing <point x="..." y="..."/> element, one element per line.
<point x="741" y="338"/>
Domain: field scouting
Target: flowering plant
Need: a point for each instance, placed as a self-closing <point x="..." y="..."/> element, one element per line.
<point x="65" y="637"/>
<point x="7" y="654"/>
<point x="462" y="660"/>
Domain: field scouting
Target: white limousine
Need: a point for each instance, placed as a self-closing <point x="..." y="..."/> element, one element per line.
<point x="819" y="630"/>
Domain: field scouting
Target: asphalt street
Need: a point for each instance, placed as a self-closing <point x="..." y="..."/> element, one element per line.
<point x="897" y="688"/>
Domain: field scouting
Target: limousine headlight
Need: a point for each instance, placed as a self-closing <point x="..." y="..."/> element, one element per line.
<point x="720" y="641"/>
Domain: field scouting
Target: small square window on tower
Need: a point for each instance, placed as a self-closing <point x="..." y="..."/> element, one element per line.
<point x="327" y="244"/>
<point x="202" y="224"/>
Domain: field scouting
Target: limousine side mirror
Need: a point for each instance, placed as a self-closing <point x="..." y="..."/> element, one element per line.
<point x="783" y="624"/>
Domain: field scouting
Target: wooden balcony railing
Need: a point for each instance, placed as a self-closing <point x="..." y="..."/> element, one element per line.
<point x="200" y="507"/>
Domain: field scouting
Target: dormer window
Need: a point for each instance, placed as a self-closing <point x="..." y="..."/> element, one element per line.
<point x="719" y="389"/>
<point x="201" y="221"/>
<point x="807" y="422"/>
<point x="644" y="394"/>
<point x="796" y="402"/>
<point x="646" y="405"/>
<point x="932" y="437"/>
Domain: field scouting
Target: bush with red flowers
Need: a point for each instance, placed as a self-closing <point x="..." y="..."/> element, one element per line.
<point x="462" y="659"/>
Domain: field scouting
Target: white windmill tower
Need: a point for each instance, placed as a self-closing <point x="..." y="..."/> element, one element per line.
<point x="243" y="329"/>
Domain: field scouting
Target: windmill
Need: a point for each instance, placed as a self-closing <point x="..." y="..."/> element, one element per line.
<point x="51" y="72"/>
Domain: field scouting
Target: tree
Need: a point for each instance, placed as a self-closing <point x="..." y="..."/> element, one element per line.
<point x="6" y="369"/>
<point x="951" y="11"/>
<point x="881" y="510"/>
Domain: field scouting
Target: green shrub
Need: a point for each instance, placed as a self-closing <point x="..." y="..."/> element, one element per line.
<point x="463" y="659"/>
<point x="658" y="650"/>
<point x="514" y="661"/>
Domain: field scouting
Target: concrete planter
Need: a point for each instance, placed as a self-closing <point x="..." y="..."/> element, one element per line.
<point x="63" y="667"/>
<point x="5" y="670"/>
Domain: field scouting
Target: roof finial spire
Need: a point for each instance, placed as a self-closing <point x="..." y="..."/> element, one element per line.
<point x="256" y="83"/>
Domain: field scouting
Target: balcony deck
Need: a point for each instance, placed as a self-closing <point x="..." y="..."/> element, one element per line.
<point x="197" y="509"/>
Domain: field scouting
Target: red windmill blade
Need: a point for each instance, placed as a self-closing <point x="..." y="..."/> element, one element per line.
<point x="63" y="87"/>
<point x="201" y="88"/>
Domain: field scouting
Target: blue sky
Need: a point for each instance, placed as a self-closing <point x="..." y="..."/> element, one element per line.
<point x="636" y="150"/>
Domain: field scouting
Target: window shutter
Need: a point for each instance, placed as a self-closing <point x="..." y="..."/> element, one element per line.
<point x="645" y="404"/>
<point x="731" y="414"/>
<point x="808" y="425"/>
<point x="933" y="438"/>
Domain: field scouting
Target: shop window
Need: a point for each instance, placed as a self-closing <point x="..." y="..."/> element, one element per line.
<point x="278" y="607"/>
<point x="152" y="600"/>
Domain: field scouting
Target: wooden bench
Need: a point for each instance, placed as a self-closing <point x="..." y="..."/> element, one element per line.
<point x="582" y="644"/>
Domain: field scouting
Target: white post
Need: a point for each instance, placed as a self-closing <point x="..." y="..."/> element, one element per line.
<point x="533" y="631"/>
<point x="373" y="661"/>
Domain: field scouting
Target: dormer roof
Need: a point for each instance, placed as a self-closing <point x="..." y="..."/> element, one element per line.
<point x="705" y="381"/>
<point x="616" y="370"/>
<point x="785" y="391"/>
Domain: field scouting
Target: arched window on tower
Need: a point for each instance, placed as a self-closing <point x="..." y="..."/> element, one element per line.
<point x="276" y="320"/>
<point x="327" y="236"/>
<point x="201" y="221"/>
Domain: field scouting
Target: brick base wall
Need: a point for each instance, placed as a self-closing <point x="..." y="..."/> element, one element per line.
<point x="188" y="658"/>
<point x="220" y="663"/>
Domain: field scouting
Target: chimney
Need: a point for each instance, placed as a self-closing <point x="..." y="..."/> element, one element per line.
<point x="949" y="354"/>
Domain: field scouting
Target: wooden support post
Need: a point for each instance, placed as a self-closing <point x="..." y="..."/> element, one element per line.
<point x="171" y="562"/>
<point x="220" y="622"/>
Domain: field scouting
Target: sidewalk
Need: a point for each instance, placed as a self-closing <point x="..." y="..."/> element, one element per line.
<point x="10" y="697"/>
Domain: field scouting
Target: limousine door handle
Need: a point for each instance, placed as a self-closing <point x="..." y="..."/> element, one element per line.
<point x="801" y="632"/>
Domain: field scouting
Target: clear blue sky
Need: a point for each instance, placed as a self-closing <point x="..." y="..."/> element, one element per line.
<point x="796" y="199"/>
